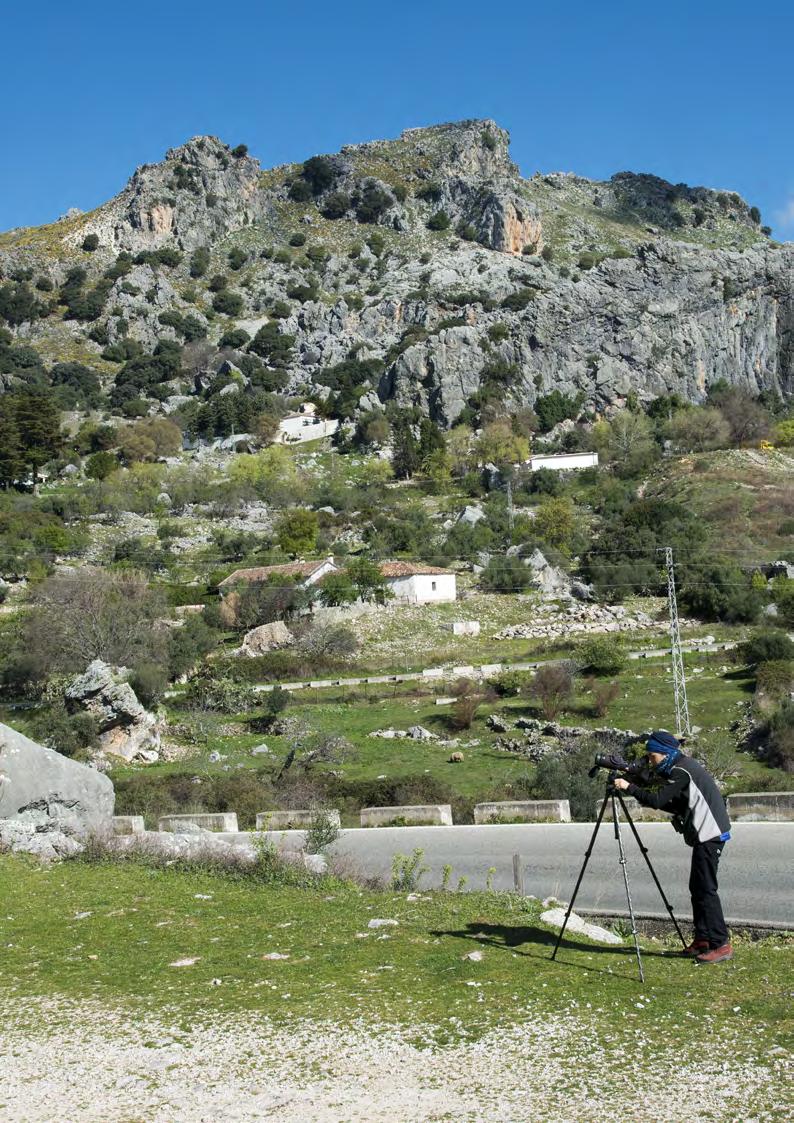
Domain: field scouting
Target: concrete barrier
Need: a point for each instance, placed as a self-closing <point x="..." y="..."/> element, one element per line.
<point x="438" y="814"/>
<point x="524" y="811"/>
<point x="775" y="807"/>
<point x="637" y="811"/>
<point x="292" y="820"/>
<point x="128" y="824"/>
<point x="215" y="821"/>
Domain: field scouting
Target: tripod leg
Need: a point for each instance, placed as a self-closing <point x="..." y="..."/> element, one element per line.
<point x="644" y="850"/>
<point x="622" y="860"/>
<point x="588" y="852"/>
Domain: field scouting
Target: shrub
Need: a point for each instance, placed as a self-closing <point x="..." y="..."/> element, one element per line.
<point x="228" y="303"/>
<point x="239" y="151"/>
<point x="371" y="202"/>
<point x="517" y="301"/>
<point x="775" y="678"/>
<point x="604" y="694"/>
<point x="553" y="688"/>
<point x="505" y="575"/>
<point x="235" y="338"/>
<point x="90" y="242"/>
<point x="555" y="407"/>
<point x="602" y="655"/>
<point x="765" y="647"/>
<point x="237" y="258"/>
<point x="300" y="191"/>
<point x="210" y="692"/>
<point x="336" y="205"/>
<point x="319" y="172"/>
<point x="199" y="262"/>
<point x="322" y="832"/>
<point x="298" y="238"/>
<point x="439" y="221"/>
<point x="100" y="465"/>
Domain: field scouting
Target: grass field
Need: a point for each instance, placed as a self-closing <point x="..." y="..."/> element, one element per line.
<point x="96" y="948"/>
<point x="716" y="697"/>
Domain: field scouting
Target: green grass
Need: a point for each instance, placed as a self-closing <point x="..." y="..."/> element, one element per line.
<point x="136" y="921"/>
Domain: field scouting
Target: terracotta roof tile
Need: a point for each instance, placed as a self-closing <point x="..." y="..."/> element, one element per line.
<point x="409" y="569"/>
<point x="262" y="572"/>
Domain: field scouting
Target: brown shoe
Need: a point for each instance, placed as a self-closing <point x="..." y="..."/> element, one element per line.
<point x="716" y="955"/>
<point x="697" y="947"/>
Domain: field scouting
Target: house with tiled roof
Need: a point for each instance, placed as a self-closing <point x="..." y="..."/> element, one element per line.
<point x="303" y="572"/>
<point x="415" y="583"/>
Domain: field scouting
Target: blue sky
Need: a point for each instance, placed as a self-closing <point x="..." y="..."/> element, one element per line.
<point x="697" y="92"/>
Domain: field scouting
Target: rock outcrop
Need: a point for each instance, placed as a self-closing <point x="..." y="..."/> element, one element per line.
<point x="463" y="272"/>
<point x="126" y="728"/>
<point x="267" y="637"/>
<point x="47" y="802"/>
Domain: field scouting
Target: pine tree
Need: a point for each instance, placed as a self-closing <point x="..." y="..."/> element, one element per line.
<point x="12" y="463"/>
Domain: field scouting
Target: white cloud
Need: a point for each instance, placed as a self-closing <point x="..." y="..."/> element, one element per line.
<point x="785" y="216"/>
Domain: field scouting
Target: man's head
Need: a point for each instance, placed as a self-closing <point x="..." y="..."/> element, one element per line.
<point x="662" y="749"/>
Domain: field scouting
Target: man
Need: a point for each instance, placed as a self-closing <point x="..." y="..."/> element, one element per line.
<point x="690" y="794"/>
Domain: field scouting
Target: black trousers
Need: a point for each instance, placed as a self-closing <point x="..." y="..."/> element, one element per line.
<point x="706" y="907"/>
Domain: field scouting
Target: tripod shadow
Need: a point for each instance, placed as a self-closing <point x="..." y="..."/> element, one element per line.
<point x="541" y="942"/>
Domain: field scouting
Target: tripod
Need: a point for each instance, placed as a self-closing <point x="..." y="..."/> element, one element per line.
<point x="613" y="795"/>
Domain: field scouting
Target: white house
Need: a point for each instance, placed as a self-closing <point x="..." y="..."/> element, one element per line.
<point x="303" y="572"/>
<point x="304" y="425"/>
<point x="413" y="583"/>
<point x="563" y="461"/>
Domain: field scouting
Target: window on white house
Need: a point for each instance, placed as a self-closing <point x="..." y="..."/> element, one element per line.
<point x="433" y="586"/>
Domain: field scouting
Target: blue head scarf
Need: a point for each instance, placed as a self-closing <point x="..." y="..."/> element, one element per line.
<point x="660" y="741"/>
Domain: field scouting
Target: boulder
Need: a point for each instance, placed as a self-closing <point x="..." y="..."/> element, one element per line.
<point x="471" y="514"/>
<point x="43" y="792"/>
<point x="267" y="637"/>
<point x="126" y="728"/>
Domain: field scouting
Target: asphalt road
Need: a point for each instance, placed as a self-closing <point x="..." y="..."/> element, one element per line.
<point x="756" y="870"/>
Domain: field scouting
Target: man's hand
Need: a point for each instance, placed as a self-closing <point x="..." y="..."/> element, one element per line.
<point x="622" y="784"/>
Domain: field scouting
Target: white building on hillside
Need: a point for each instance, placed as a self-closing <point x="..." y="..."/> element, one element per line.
<point x="414" y="583"/>
<point x="305" y="425"/>
<point x="302" y="572"/>
<point x="563" y="461"/>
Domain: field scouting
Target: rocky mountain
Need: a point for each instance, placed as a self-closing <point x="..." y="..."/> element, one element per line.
<point x="423" y="270"/>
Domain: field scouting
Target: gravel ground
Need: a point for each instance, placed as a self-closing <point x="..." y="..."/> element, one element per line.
<point x="88" y="1064"/>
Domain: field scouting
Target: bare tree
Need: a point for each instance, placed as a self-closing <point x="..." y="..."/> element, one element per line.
<point x="308" y="747"/>
<point x="553" y="687"/>
<point x="92" y="614"/>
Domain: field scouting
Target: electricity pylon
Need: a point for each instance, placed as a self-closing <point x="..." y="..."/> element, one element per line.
<point x="682" y="725"/>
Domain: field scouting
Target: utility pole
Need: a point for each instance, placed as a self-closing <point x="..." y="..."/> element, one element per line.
<point x="682" y="726"/>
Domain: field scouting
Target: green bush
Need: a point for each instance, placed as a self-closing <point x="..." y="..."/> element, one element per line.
<point x="199" y="262"/>
<point x="235" y="338"/>
<point x="439" y="221"/>
<point x="298" y="238"/>
<point x="228" y="303"/>
<point x="90" y="242"/>
<point x="237" y="258"/>
<point x="210" y="692"/>
<point x="765" y="647"/>
<point x="602" y="655"/>
<point x="517" y="301"/>
<point x="505" y="575"/>
<point x="239" y="151"/>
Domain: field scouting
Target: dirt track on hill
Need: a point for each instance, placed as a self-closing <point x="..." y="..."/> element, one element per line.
<point x="85" y="1064"/>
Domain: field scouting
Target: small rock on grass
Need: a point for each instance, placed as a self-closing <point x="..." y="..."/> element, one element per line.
<point x="474" y="956"/>
<point x="185" y="962"/>
<point x="275" y="955"/>
<point x="378" y="922"/>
